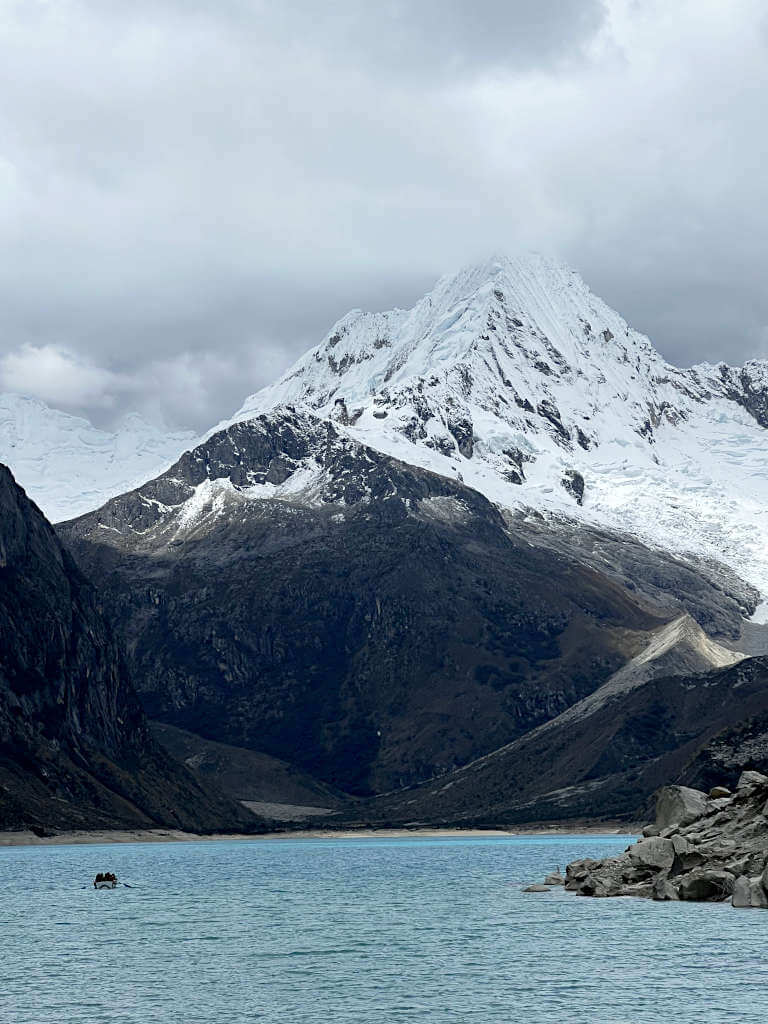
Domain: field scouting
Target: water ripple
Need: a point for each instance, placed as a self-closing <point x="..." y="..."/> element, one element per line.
<point x="359" y="932"/>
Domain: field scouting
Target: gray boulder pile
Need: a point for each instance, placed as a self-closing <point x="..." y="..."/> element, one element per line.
<point x="701" y="847"/>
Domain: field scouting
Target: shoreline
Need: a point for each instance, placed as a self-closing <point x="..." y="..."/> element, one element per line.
<point x="89" y="837"/>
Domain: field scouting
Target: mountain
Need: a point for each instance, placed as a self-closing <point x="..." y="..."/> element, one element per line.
<point x="68" y="466"/>
<point x="75" y="749"/>
<point x="286" y="589"/>
<point x="513" y="377"/>
<point x="495" y="530"/>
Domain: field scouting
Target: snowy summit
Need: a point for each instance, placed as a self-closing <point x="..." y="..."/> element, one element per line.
<point x="514" y="377"/>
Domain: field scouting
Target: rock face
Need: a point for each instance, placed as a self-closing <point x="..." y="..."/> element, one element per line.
<point x="742" y="745"/>
<point x="75" y="750"/>
<point x="708" y="850"/>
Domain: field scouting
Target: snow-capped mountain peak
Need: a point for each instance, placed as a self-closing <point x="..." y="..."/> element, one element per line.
<point x="513" y="376"/>
<point x="498" y="336"/>
<point x="510" y="376"/>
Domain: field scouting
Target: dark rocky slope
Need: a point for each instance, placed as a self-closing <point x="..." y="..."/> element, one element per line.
<point x="738" y="748"/>
<point x="75" y="750"/>
<point x="602" y="758"/>
<point x="712" y="849"/>
<point x="708" y="591"/>
<point x="285" y="589"/>
<point x="246" y="775"/>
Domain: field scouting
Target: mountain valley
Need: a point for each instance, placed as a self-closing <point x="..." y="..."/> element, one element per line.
<point x="491" y="560"/>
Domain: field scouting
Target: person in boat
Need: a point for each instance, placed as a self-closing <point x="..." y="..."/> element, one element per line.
<point x="104" y="876"/>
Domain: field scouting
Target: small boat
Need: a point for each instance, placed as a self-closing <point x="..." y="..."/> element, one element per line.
<point x="105" y="880"/>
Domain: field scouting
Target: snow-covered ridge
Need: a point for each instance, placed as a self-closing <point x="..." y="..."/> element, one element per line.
<point x="68" y="466"/>
<point x="514" y="377"/>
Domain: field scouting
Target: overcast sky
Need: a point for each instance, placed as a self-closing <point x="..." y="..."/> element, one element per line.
<point x="192" y="191"/>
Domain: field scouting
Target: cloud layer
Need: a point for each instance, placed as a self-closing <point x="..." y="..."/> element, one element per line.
<point x="191" y="193"/>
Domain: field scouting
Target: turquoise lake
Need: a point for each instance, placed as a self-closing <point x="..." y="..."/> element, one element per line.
<point x="358" y="931"/>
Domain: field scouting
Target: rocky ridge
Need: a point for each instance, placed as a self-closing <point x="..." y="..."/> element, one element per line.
<point x="708" y="847"/>
<point x="604" y="756"/>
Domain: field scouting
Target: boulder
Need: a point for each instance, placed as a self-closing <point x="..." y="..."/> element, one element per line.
<point x="651" y="830"/>
<point x="663" y="889"/>
<point x="554" y="878"/>
<point x="717" y="792"/>
<point x="680" y="845"/>
<point x="715" y="817"/>
<point x="577" y="871"/>
<point x="741" y="866"/>
<point x="717" y="849"/>
<point x="605" y="884"/>
<point x="640" y="890"/>
<point x="692" y="859"/>
<point x="537" y="888"/>
<point x="707" y="885"/>
<point x="749" y="892"/>
<point x="679" y="805"/>
<point x="653" y="853"/>
<point x="749" y="779"/>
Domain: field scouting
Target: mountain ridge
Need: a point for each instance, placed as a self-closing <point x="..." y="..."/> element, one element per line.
<point x="511" y="376"/>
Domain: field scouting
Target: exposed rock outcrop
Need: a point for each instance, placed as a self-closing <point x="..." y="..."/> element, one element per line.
<point x="573" y="482"/>
<point x="708" y="849"/>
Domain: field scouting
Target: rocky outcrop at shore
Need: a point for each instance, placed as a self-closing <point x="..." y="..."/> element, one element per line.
<point x="711" y="847"/>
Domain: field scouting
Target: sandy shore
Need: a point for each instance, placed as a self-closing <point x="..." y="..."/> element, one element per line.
<point x="24" y="838"/>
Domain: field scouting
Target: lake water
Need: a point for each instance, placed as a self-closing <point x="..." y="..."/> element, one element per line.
<point x="362" y="932"/>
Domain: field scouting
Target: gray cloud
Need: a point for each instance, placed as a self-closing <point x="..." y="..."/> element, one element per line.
<point x="191" y="193"/>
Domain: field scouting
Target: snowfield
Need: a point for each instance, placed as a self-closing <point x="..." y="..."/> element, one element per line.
<point x="69" y="467"/>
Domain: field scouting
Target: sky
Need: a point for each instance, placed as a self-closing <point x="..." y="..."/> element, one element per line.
<point x="191" y="192"/>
